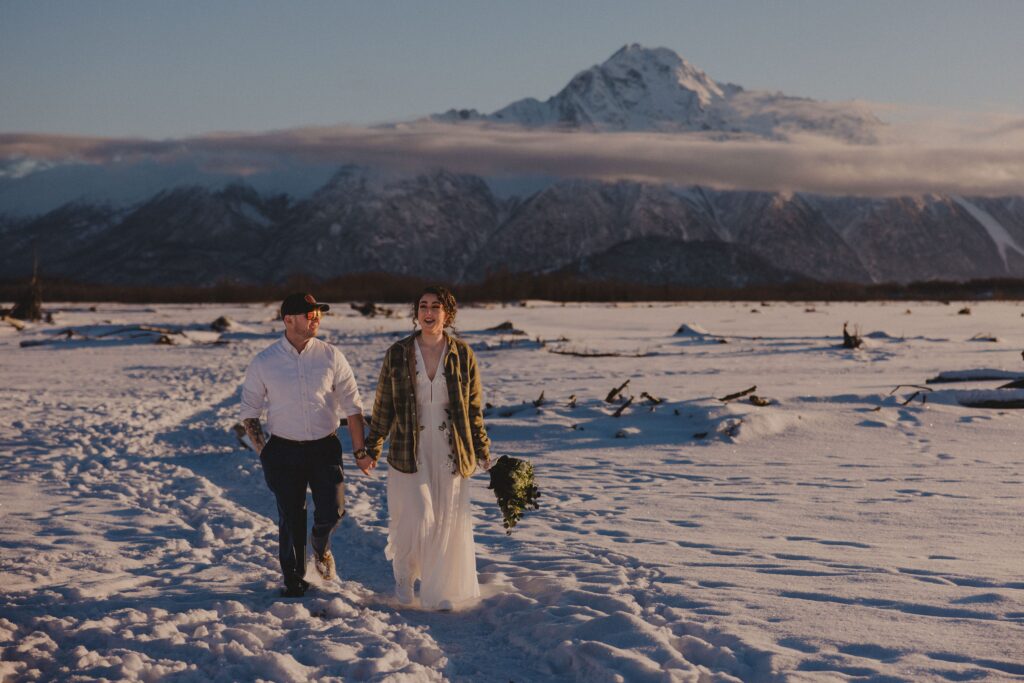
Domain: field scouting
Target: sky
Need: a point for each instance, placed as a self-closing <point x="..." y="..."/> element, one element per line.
<point x="172" y="69"/>
<point x="253" y="88"/>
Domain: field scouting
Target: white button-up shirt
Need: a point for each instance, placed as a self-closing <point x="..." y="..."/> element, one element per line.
<point x="305" y="394"/>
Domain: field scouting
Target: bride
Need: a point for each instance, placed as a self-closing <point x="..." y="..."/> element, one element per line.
<point x="428" y="402"/>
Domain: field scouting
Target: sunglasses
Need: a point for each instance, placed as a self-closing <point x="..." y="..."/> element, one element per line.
<point x="315" y="314"/>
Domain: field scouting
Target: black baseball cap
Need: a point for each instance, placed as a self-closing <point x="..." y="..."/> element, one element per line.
<point x="301" y="303"/>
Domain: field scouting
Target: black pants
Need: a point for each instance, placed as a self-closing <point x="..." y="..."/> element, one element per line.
<point x="289" y="467"/>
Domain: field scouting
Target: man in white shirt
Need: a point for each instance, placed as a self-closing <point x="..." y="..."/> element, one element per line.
<point x="306" y="386"/>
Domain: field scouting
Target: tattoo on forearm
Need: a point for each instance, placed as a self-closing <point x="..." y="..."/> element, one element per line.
<point x="255" y="432"/>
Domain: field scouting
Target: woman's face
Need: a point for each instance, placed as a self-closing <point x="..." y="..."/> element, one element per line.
<point x="430" y="314"/>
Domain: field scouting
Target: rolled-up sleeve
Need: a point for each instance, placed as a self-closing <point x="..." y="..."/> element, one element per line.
<point x="254" y="393"/>
<point x="346" y="391"/>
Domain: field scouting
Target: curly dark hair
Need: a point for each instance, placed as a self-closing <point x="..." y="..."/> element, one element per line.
<point x="447" y="299"/>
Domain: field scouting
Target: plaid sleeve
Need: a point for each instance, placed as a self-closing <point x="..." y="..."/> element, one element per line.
<point x="481" y="443"/>
<point x="383" y="410"/>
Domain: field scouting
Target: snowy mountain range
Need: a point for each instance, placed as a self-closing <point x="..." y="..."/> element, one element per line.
<point x="453" y="227"/>
<point x="180" y="224"/>
<point x="644" y="89"/>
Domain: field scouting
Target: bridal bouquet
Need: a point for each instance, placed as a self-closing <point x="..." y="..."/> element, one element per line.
<point x="512" y="481"/>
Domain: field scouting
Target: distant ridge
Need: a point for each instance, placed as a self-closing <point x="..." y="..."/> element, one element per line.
<point x="448" y="226"/>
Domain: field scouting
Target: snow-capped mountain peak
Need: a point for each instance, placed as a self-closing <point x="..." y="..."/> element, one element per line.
<point x="660" y="71"/>
<point x="655" y="89"/>
<point x="637" y="88"/>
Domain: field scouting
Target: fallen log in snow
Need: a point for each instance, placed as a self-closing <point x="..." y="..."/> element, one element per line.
<point x="978" y="375"/>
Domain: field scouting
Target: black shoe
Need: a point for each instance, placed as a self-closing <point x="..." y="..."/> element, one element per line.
<point x="295" y="590"/>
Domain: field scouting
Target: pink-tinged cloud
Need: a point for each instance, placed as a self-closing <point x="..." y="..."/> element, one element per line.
<point x="82" y="149"/>
<point x="913" y="160"/>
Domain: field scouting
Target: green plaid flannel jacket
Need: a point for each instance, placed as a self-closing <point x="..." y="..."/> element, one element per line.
<point x="394" y="408"/>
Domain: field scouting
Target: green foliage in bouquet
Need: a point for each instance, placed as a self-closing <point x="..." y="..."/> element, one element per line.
<point x="512" y="481"/>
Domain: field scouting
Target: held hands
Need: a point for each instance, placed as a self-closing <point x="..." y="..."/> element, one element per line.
<point x="364" y="461"/>
<point x="366" y="464"/>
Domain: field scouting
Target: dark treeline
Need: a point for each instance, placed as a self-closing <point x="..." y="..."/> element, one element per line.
<point x="387" y="288"/>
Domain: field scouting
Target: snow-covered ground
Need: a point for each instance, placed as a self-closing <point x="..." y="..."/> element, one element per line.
<point x="835" y="533"/>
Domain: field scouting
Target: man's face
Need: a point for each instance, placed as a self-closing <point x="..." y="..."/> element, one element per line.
<point x="303" y="326"/>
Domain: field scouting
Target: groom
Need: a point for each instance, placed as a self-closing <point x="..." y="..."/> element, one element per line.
<point x="306" y="385"/>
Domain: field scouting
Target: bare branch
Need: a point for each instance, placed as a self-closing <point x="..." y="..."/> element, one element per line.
<point x="738" y="394"/>
<point x="613" y="394"/>
<point x="625" y="405"/>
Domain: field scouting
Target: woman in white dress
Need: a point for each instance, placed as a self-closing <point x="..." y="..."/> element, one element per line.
<point x="428" y="402"/>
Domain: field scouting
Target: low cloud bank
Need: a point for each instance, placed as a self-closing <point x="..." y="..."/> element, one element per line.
<point x="914" y="158"/>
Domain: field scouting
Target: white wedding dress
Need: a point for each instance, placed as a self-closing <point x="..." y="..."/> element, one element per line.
<point x="430" y="531"/>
